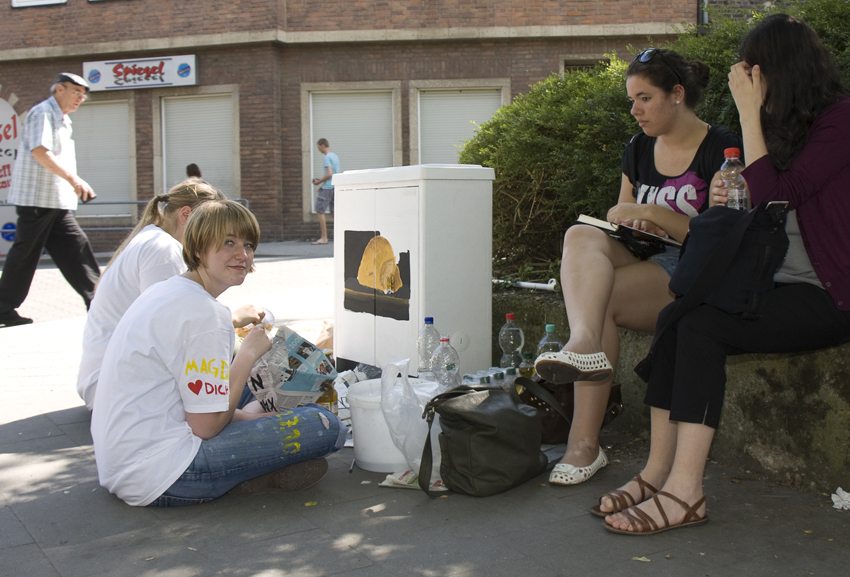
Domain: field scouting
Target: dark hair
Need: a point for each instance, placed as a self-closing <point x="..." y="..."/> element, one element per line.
<point x="192" y="170"/>
<point x="665" y="70"/>
<point x="801" y="78"/>
<point x="323" y="142"/>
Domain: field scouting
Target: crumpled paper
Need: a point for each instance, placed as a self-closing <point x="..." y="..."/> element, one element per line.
<point x="841" y="499"/>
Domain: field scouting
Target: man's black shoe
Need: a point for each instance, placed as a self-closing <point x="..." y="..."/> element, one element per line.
<point x="13" y="319"/>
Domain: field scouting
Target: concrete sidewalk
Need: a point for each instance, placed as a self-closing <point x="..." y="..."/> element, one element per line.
<point x="56" y="520"/>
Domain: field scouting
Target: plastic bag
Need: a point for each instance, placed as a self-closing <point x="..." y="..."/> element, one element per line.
<point x="402" y="404"/>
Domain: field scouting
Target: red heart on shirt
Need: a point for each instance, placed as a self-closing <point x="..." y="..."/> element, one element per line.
<point x="196" y="386"/>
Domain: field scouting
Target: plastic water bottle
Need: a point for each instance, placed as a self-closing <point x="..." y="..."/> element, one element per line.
<point x="511" y="340"/>
<point x="549" y="343"/>
<point x="733" y="182"/>
<point x="510" y="377"/>
<point x="427" y="342"/>
<point x="446" y="363"/>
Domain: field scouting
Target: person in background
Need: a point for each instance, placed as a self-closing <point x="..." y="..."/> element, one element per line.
<point x="192" y="171"/>
<point x="151" y="253"/>
<point x="45" y="189"/>
<point x="606" y="286"/>
<point x="795" y="120"/>
<point x="325" y="193"/>
<point x="170" y="426"/>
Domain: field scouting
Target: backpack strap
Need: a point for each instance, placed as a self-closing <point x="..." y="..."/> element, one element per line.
<point x="631" y="163"/>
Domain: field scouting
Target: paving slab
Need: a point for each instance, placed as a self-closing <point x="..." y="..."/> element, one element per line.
<point x="55" y="519"/>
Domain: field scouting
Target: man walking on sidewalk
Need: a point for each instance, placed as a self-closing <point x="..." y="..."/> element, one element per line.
<point x="325" y="196"/>
<point x="45" y="188"/>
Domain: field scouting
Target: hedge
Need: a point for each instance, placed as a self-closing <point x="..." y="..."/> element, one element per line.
<point x="556" y="149"/>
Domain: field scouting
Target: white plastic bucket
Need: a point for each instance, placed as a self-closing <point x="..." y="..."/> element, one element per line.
<point x="374" y="449"/>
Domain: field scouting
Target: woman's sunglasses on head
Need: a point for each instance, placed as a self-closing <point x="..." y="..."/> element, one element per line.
<point x="650" y="53"/>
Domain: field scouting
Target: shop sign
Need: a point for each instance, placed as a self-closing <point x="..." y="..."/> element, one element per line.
<point x="141" y="73"/>
<point x="10" y="137"/>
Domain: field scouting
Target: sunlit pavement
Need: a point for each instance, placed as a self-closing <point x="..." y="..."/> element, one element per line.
<point x="56" y="520"/>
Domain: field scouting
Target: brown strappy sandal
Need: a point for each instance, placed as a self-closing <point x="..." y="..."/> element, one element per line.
<point x="640" y="519"/>
<point x="621" y="498"/>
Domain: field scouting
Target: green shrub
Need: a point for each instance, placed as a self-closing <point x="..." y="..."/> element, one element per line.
<point x="557" y="149"/>
<point x="552" y="149"/>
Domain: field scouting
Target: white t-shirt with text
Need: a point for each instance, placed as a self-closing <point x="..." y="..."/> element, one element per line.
<point x="170" y="354"/>
<point x="152" y="256"/>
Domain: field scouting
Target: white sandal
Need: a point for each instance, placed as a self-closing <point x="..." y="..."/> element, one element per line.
<point x="567" y="367"/>
<point x="566" y="474"/>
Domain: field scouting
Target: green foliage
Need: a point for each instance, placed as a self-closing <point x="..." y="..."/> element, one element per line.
<point x="557" y="149"/>
<point x="552" y="149"/>
<point x="831" y="20"/>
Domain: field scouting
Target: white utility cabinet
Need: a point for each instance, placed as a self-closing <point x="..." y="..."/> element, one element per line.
<point x="433" y="258"/>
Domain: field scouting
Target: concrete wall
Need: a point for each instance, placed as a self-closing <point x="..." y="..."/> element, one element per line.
<point x="786" y="417"/>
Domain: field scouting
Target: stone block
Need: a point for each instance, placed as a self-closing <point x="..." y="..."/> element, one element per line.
<point x="786" y="417"/>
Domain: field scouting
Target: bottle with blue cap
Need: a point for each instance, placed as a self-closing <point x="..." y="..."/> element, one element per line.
<point x="426" y="343"/>
<point x="550" y="343"/>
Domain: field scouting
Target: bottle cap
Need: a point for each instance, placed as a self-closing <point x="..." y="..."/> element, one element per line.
<point x="509" y="316"/>
<point x="510" y="371"/>
<point x="550" y="328"/>
<point x="526" y="355"/>
<point x="429" y="320"/>
<point x="732" y="153"/>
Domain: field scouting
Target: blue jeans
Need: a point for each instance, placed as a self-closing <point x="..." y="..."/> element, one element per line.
<point x="248" y="449"/>
<point x="668" y="260"/>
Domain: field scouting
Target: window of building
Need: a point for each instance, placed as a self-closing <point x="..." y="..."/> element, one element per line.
<point x="104" y="139"/>
<point x="443" y="114"/>
<point x="360" y="121"/>
<point x="576" y="62"/>
<point x="199" y="130"/>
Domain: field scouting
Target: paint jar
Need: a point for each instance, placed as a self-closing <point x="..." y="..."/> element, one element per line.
<point x="330" y="401"/>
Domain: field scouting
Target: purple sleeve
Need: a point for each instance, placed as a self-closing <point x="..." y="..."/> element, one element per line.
<point x="822" y="159"/>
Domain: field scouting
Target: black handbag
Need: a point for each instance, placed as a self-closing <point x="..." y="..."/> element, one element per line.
<point x="490" y="440"/>
<point x="727" y="261"/>
<point x="556" y="429"/>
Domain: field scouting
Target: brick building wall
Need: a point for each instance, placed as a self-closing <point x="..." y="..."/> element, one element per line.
<point x="269" y="49"/>
<point x="308" y="15"/>
<point x="524" y="61"/>
<point x="81" y="22"/>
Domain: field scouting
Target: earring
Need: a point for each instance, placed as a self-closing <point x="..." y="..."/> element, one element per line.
<point x="678" y="102"/>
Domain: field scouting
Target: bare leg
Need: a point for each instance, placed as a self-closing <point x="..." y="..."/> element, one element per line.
<point x="323" y="229"/>
<point x="638" y="295"/>
<point x="685" y="478"/>
<point x="587" y="278"/>
<point x="662" y="452"/>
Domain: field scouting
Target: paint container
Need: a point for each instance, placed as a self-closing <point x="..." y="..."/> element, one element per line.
<point x="374" y="449"/>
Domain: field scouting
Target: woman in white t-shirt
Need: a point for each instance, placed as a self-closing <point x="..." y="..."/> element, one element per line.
<point x="151" y="253"/>
<point x="167" y="427"/>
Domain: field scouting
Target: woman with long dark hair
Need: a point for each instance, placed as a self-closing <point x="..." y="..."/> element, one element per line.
<point x="667" y="169"/>
<point x="795" y="119"/>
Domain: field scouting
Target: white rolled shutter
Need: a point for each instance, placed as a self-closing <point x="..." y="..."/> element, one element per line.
<point x="101" y="133"/>
<point x="199" y="130"/>
<point x="448" y="117"/>
<point x="358" y="127"/>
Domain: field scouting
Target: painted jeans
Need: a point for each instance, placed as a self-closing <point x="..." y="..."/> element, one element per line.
<point x="248" y="449"/>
